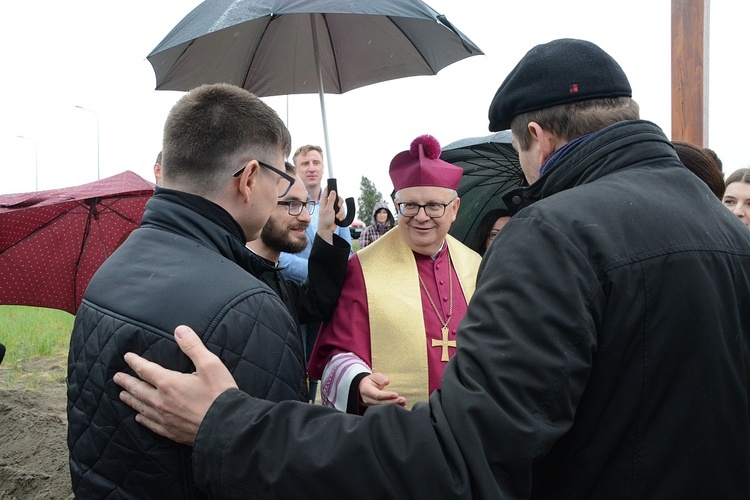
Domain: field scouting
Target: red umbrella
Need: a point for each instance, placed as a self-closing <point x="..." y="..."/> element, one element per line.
<point x="52" y="242"/>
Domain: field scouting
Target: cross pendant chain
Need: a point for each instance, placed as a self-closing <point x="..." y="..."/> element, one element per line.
<point x="444" y="342"/>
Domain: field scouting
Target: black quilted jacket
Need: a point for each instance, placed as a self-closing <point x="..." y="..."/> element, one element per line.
<point x="187" y="264"/>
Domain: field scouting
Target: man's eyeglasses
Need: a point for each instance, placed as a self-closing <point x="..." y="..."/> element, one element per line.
<point x="431" y="210"/>
<point x="284" y="176"/>
<point x="295" y="207"/>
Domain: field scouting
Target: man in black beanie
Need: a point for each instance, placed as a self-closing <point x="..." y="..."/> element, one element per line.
<point x="605" y="353"/>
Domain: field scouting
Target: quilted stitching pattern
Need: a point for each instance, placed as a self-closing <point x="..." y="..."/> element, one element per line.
<point x="133" y="303"/>
<point x="255" y="338"/>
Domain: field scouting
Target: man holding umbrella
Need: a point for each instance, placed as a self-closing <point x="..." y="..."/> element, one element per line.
<point x="605" y="353"/>
<point x="286" y="231"/>
<point x="308" y="160"/>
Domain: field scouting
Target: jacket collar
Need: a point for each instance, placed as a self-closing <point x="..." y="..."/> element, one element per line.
<point x="200" y="220"/>
<point x="592" y="158"/>
<point x="203" y="206"/>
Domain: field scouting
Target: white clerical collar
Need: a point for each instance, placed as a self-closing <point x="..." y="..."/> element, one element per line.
<point x="435" y="255"/>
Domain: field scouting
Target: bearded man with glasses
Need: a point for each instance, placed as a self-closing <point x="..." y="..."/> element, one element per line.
<point x="286" y="231"/>
<point x="308" y="161"/>
<point x="394" y="328"/>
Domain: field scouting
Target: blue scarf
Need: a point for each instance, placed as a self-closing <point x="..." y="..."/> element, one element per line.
<point x="558" y="155"/>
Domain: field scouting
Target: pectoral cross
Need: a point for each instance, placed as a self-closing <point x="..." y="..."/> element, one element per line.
<point x="445" y="344"/>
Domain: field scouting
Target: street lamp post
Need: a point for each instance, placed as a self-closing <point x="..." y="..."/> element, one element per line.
<point x="36" y="161"/>
<point x="98" y="172"/>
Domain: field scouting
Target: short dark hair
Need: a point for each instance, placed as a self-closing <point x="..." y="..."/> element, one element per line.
<point x="210" y="126"/>
<point x="716" y="158"/>
<point x="573" y="120"/>
<point x="702" y="164"/>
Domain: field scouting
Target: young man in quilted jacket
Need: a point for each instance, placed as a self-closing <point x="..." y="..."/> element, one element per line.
<point x="223" y="171"/>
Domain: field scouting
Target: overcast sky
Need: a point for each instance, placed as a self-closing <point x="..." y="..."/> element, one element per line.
<point x="59" y="55"/>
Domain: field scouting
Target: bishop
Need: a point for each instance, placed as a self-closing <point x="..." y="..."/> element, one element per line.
<point x="394" y="327"/>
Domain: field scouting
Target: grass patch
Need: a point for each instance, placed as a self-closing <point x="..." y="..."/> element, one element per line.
<point x="31" y="333"/>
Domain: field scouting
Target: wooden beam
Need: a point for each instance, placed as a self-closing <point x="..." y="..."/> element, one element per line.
<point x="690" y="35"/>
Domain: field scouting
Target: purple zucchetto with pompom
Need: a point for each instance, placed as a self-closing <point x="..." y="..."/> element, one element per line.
<point x="422" y="166"/>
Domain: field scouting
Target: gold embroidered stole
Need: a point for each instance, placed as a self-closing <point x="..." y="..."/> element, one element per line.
<point x="394" y="300"/>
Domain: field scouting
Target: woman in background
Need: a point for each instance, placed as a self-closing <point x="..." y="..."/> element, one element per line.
<point x="737" y="194"/>
<point x="491" y="224"/>
<point x="382" y="222"/>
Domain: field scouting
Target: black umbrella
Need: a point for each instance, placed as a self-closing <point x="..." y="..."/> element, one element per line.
<point x="491" y="169"/>
<point x="281" y="47"/>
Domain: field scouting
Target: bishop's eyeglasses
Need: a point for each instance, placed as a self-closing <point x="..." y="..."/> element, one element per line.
<point x="284" y="177"/>
<point x="431" y="210"/>
<point x="295" y="207"/>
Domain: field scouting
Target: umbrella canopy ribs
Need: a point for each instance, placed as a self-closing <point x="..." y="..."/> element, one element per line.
<point x="283" y="47"/>
<point x="52" y="242"/>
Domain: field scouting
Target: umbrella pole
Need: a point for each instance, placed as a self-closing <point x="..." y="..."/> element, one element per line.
<point x="320" y="93"/>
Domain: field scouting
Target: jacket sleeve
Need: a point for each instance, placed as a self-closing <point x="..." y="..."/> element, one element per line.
<point x="316" y="298"/>
<point x="296" y="265"/>
<point x="324" y="453"/>
<point x="257" y="340"/>
<point x="345" y="234"/>
<point x="509" y="393"/>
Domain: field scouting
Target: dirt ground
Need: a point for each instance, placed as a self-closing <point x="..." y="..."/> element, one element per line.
<point x="33" y="431"/>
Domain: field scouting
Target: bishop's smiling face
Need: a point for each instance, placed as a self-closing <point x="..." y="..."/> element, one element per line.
<point x="423" y="234"/>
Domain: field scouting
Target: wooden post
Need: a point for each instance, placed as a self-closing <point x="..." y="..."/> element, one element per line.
<point x="690" y="36"/>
